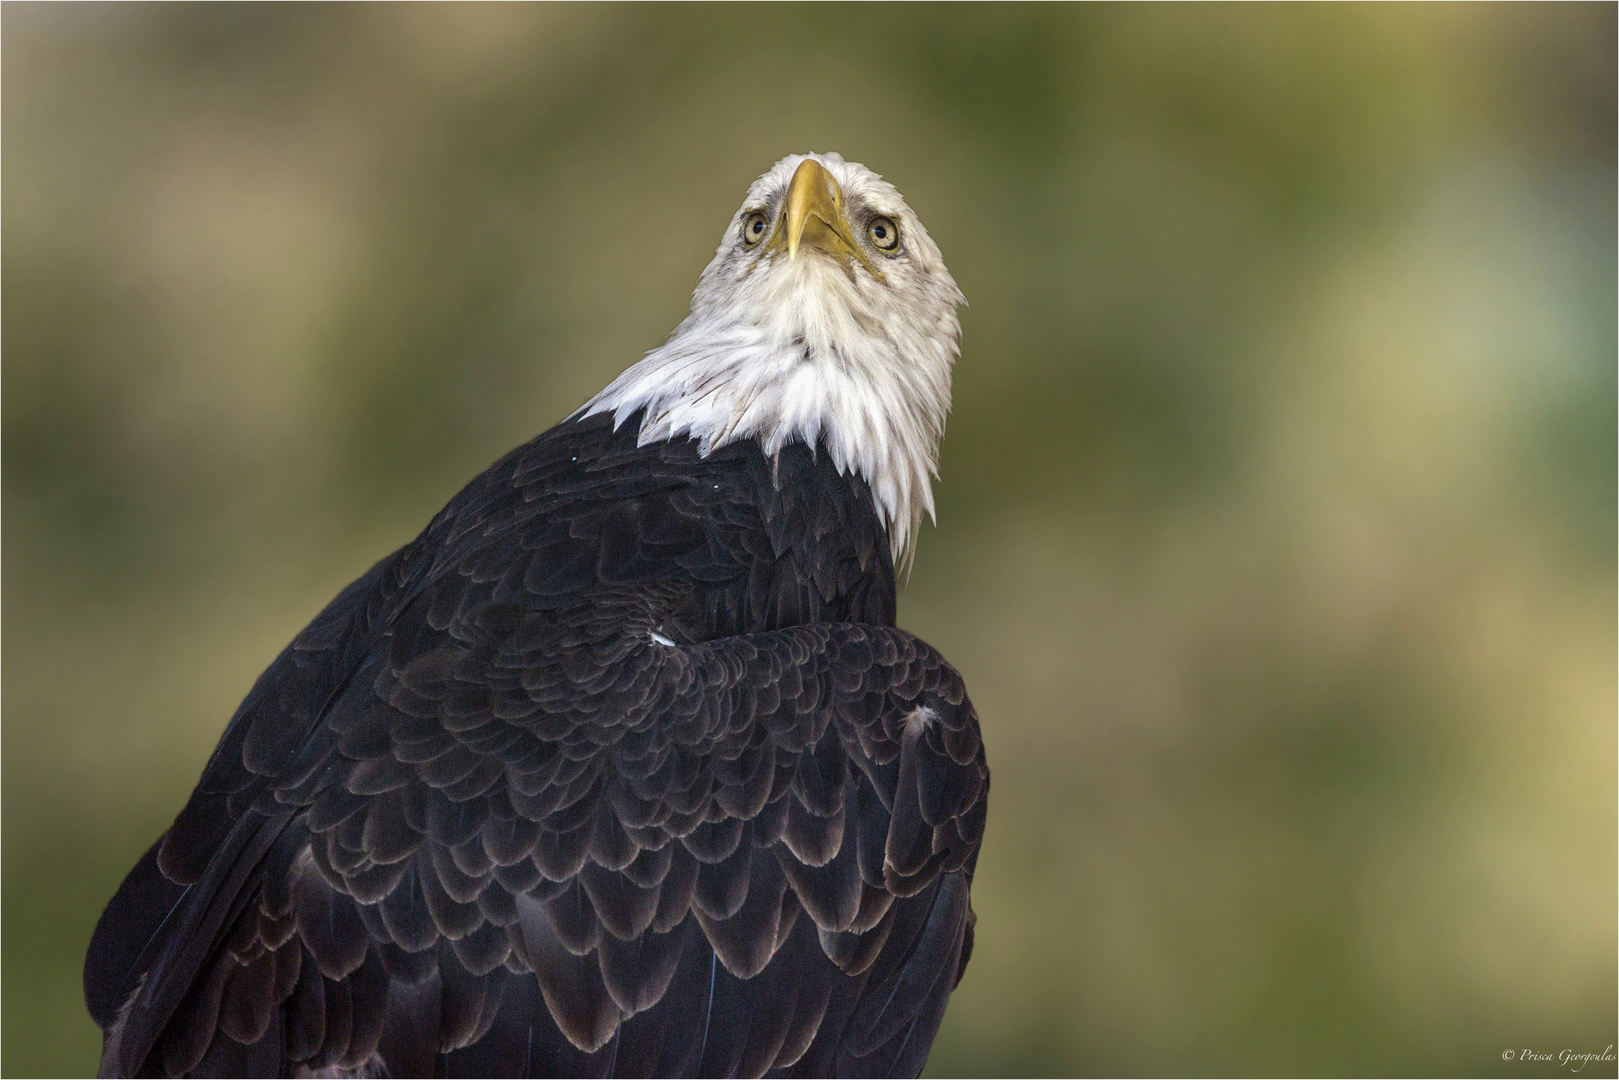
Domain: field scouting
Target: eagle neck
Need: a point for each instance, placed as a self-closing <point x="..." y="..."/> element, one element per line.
<point x="874" y="404"/>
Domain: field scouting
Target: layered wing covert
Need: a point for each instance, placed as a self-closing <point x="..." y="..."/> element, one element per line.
<point x="501" y="810"/>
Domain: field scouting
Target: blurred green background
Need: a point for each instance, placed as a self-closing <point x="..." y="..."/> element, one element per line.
<point x="1277" y="522"/>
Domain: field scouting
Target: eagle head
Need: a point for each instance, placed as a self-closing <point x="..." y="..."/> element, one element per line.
<point x="826" y="317"/>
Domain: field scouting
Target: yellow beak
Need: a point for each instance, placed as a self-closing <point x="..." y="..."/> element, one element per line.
<point x="814" y="218"/>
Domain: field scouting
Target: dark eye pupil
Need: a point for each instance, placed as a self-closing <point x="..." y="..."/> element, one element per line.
<point x="882" y="233"/>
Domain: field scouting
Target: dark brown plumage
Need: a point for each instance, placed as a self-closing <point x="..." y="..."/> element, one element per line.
<point x="620" y="769"/>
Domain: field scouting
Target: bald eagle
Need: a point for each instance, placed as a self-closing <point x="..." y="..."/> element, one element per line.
<point x="621" y="767"/>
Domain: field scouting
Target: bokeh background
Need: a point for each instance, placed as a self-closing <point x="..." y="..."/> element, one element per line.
<point x="1277" y="522"/>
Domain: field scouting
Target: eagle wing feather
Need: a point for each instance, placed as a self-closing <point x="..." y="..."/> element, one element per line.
<point x="478" y="810"/>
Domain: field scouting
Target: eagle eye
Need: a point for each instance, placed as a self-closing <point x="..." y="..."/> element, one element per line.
<point x="884" y="233"/>
<point x="754" y="227"/>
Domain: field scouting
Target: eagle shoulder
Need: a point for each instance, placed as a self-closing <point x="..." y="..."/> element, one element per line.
<point x="625" y="730"/>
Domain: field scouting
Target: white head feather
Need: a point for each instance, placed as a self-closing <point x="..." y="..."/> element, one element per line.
<point x="815" y="350"/>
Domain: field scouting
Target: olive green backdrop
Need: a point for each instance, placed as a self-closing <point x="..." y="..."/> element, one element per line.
<point x="1276" y="529"/>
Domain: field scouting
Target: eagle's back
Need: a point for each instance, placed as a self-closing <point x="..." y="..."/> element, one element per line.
<point x="618" y="769"/>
